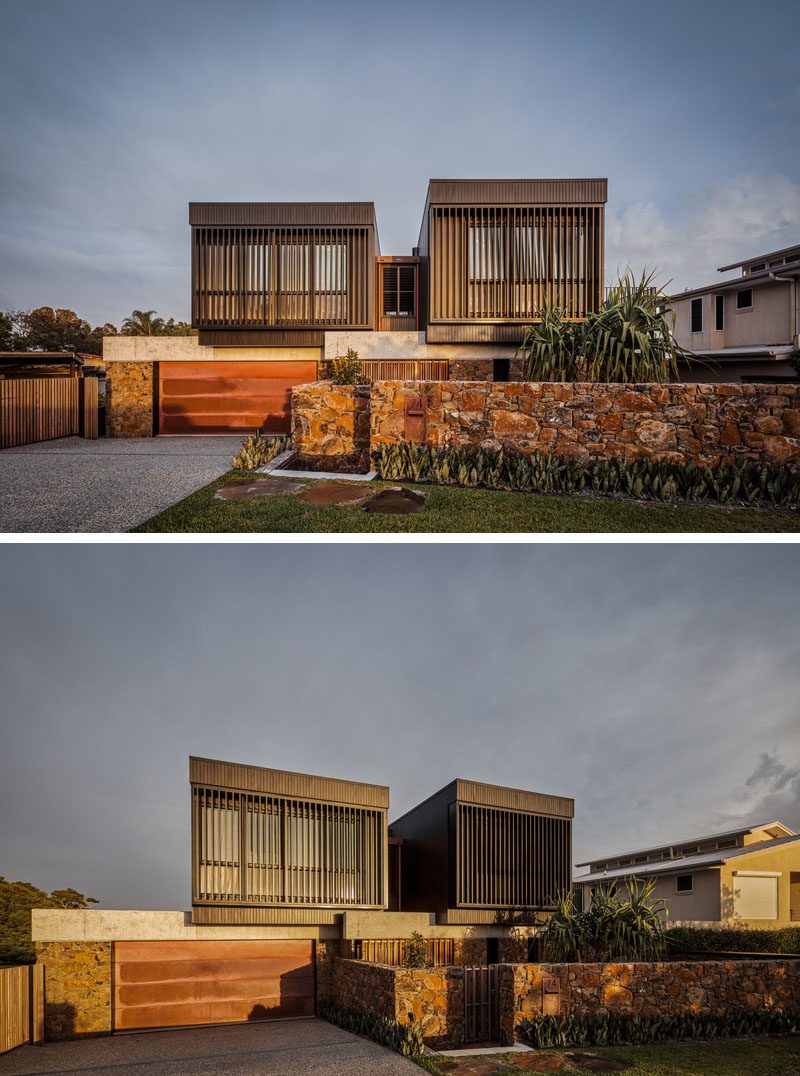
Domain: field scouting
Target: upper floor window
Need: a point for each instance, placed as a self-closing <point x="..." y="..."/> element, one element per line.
<point x="757" y="268"/>
<point x="719" y="312"/>
<point x="744" y="299"/>
<point x="683" y="883"/>
<point x="399" y="297"/>
<point x="697" y="315"/>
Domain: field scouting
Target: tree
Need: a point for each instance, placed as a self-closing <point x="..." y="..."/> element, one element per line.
<point x="7" y="337"/>
<point x="629" y="339"/>
<point x="46" y="329"/>
<point x="17" y="899"/>
<point x="148" y="323"/>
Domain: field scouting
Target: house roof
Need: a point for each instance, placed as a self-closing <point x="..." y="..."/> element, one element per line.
<point x="282" y="214"/>
<point x="764" y="276"/>
<point x="512" y="192"/>
<point x="40" y="358"/>
<point x="740" y="832"/>
<point x="687" y="863"/>
<point x="759" y="258"/>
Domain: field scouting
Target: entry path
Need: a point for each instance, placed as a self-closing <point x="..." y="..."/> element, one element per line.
<point x="111" y="484"/>
<point x="269" y="1048"/>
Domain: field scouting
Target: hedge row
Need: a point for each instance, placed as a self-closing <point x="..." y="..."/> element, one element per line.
<point x="733" y="940"/>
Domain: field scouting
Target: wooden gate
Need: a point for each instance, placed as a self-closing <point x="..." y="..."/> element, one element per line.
<point x="43" y="408"/>
<point x="21" y="1005"/>
<point x="481" y="1004"/>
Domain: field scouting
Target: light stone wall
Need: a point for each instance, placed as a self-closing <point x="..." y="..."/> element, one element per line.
<point x="106" y="925"/>
<point x="187" y="349"/>
<point x="409" y="345"/>
<point x="77" y="988"/>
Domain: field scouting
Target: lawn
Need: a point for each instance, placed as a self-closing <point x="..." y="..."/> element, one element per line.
<point x="731" y="1057"/>
<point x="451" y="509"/>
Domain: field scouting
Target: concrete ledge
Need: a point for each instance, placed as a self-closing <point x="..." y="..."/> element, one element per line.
<point x="106" y="925"/>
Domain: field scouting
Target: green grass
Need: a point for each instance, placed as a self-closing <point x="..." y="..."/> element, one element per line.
<point x="731" y="1057"/>
<point x="453" y="509"/>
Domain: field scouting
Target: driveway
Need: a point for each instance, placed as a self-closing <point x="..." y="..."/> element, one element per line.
<point x="104" y="485"/>
<point x="270" y="1048"/>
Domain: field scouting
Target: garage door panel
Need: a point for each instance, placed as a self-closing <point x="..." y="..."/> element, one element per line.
<point x="229" y="397"/>
<point x="170" y="984"/>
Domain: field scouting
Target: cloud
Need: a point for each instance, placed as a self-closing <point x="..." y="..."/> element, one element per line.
<point x="771" y="792"/>
<point x="736" y="217"/>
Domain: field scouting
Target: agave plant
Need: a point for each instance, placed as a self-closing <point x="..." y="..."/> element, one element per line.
<point x="629" y="339"/>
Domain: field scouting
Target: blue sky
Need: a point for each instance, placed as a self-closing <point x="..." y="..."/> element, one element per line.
<point x="117" y="113"/>
<point x="655" y="684"/>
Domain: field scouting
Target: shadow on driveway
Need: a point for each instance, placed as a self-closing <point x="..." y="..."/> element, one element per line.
<point x="308" y="1047"/>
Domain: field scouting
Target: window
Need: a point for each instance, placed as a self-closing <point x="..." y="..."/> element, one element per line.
<point x="667" y="854"/>
<point x="690" y="850"/>
<point x="744" y="299"/>
<point x="730" y="843"/>
<point x="640" y="859"/>
<point x="757" y="268"/>
<point x="776" y="262"/>
<point x="683" y="883"/>
<point x="399" y="290"/>
<point x="624" y="862"/>
<point x="719" y="312"/>
<point x="697" y="315"/>
<point x="755" y="895"/>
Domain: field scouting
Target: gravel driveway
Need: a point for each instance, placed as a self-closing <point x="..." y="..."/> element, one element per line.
<point x="104" y="485"/>
<point x="271" y="1048"/>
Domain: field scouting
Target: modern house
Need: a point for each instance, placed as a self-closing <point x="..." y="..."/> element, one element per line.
<point x="744" y="327"/>
<point x="288" y="870"/>
<point x="746" y="877"/>
<point x="279" y="289"/>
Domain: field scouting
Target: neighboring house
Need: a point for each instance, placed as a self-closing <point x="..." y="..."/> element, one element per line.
<point x="744" y="328"/>
<point x="288" y="870"/>
<point x="280" y="288"/>
<point x="748" y="876"/>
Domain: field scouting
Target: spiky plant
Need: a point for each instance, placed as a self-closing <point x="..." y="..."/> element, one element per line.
<point x="258" y="450"/>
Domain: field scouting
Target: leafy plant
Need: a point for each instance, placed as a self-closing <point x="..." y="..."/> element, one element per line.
<point x="405" y="1039"/>
<point x="347" y="369"/>
<point x="613" y="927"/>
<point x="258" y="450"/>
<point x="614" y="1029"/>
<point x="629" y="339"/>
<point x="415" y="951"/>
<point x="733" y="939"/>
<point x="794" y="360"/>
<point x="662" y="480"/>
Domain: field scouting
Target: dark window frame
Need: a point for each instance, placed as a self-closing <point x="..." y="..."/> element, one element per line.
<point x="719" y="313"/>
<point x="740" y="304"/>
<point x="696" y="315"/>
<point x="683" y="888"/>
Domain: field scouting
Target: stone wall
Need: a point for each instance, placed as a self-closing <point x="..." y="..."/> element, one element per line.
<point x="433" y="996"/>
<point x="330" y="425"/>
<point x="129" y="399"/>
<point x="702" y="423"/>
<point x="649" y="989"/>
<point x="77" y="988"/>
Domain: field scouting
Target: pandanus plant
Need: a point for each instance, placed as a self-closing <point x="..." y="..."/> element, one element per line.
<point x="612" y="928"/>
<point x="629" y="339"/>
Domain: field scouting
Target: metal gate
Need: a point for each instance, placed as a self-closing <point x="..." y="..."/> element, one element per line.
<point x="481" y="1004"/>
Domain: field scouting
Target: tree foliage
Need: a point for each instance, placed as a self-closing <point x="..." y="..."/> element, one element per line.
<point x="48" y="329"/>
<point x="17" y="899"/>
<point x="148" y="323"/>
<point x="629" y="339"/>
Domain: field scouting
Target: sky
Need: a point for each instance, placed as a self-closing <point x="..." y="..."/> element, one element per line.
<point x="117" y="113"/>
<point x="657" y="685"/>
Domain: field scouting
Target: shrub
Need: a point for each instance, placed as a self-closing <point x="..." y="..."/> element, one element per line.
<point x="613" y="1029"/>
<point x="611" y="928"/>
<point x="348" y="370"/>
<point x="258" y="450"/>
<point x="733" y="940"/>
<point x="794" y="360"/>
<point x="405" y="1039"/>
<point x="658" y="480"/>
<point x="415" y="951"/>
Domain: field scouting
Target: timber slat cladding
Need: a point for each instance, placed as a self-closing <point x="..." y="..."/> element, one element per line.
<point x="38" y="409"/>
<point x="236" y="775"/>
<point x="228" y="397"/>
<point x="276" y="214"/>
<point x="21" y="1006"/>
<point x="500" y="192"/>
<point x="173" y="984"/>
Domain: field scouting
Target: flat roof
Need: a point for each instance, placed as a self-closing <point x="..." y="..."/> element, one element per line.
<point x="511" y="192"/>
<point x="277" y="214"/>
<point x="740" y="832"/>
<point x="679" y="866"/>
<point x="462" y="790"/>
<point x="740" y="283"/>
<point x="241" y="777"/>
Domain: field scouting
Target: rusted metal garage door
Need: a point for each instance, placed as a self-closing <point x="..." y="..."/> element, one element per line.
<point x="178" y="984"/>
<point x="228" y="397"/>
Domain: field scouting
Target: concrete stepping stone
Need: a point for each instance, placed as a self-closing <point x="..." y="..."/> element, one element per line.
<point x="325" y="493"/>
<point x="396" y="501"/>
<point x="247" y="489"/>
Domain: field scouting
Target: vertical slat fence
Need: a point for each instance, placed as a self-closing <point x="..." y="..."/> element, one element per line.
<point x="391" y="951"/>
<point x="39" y="409"/>
<point x="21" y="1006"/>
<point x="481" y="1004"/>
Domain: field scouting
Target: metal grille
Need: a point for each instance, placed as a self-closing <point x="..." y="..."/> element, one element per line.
<point x="281" y="276"/>
<point x="481" y="1004"/>
<point x="510" y="859"/>
<point x="280" y="850"/>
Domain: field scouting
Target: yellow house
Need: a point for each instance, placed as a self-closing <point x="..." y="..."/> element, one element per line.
<point x="743" y="877"/>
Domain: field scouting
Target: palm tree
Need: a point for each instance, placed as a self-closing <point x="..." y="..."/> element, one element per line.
<point x="628" y="339"/>
<point x="143" y="323"/>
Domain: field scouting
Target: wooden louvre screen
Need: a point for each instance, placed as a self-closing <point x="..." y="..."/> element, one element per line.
<point x="399" y="290"/>
<point x="510" y="859"/>
<point x="277" y="850"/>
<point x="504" y="263"/>
<point x="285" y="277"/>
<point x="406" y="369"/>
<point x="440" y="951"/>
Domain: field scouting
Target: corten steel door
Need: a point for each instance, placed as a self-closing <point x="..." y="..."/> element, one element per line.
<point x="228" y="397"/>
<point x="179" y="984"/>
